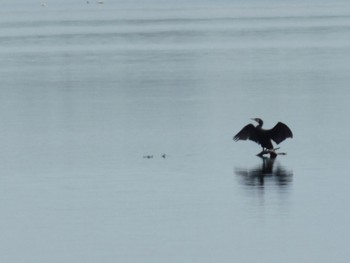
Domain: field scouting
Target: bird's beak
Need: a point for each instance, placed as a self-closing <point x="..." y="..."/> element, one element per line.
<point x="253" y="119"/>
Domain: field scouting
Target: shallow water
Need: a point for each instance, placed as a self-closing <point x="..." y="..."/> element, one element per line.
<point x="88" y="91"/>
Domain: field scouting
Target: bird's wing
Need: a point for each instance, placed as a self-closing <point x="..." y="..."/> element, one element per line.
<point x="248" y="132"/>
<point x="280" y="132"/>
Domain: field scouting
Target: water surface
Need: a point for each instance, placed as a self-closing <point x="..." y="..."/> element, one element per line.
<point x="88" y="90"/>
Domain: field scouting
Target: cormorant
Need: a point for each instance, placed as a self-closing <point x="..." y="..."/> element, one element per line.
<point x="263" y="137"/>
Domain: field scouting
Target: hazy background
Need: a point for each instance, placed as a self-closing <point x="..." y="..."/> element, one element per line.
<point x="88" y="90"/>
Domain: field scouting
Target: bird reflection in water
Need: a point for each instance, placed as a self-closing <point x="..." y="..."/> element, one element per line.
<point x="269" y="171"/>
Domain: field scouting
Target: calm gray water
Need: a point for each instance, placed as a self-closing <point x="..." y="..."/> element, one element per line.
<point x="88" y="90"/>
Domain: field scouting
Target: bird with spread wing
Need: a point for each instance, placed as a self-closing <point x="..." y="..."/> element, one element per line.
<point x="264" y="137"/>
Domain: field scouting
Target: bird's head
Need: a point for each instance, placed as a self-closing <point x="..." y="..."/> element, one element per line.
<point x="259" y="121"/>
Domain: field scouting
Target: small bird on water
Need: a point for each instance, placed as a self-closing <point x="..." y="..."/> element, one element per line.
<point x="263" y="137"/>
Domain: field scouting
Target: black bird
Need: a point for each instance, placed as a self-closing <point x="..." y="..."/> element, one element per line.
<point x="263" y="137"/>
